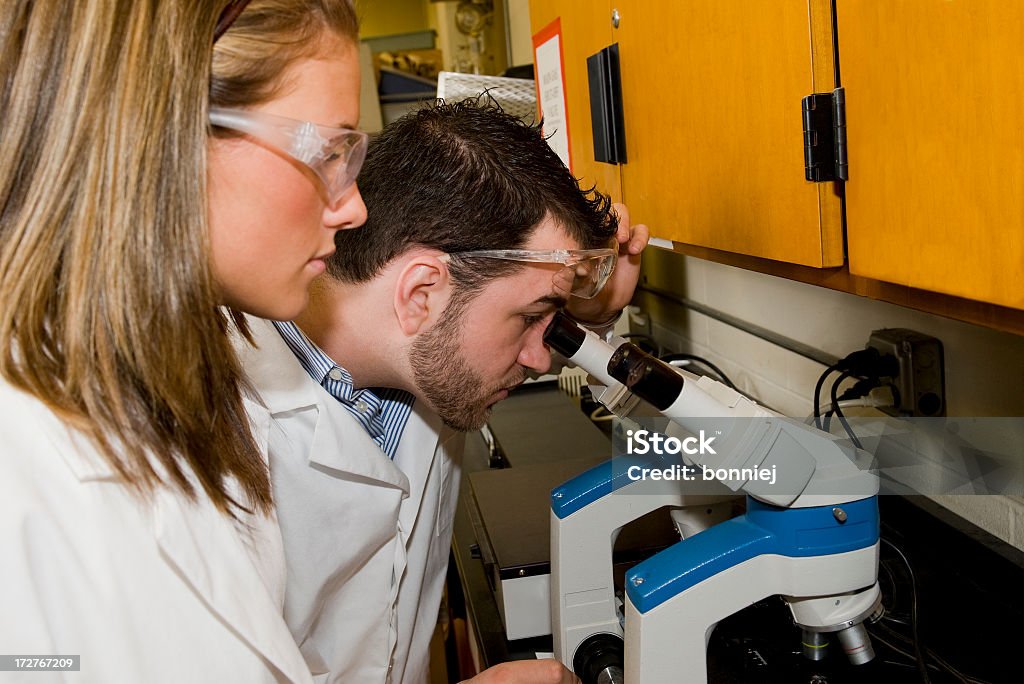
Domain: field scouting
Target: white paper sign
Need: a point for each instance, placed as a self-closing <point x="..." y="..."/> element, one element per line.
<point x="551" y="94"/>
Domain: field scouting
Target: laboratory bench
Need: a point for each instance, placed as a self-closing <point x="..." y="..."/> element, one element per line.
<point x="968" y="585"/>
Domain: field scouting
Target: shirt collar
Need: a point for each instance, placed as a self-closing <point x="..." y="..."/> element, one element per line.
<point x="313" y="359"/>
<point x="365" y="405"/>
<point x="322" y="368"/>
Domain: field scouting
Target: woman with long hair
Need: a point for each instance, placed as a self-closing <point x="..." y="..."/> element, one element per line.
<point x="164" y="166"/>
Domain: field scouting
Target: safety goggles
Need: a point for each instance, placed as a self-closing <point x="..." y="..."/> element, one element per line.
<point x="335" y="155"/>
<point x="584" y="271"/>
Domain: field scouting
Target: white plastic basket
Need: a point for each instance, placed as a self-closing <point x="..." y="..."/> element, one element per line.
<point x="517" y="96"/>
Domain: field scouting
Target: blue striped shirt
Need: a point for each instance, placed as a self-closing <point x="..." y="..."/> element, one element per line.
<point x="383" y="412"/>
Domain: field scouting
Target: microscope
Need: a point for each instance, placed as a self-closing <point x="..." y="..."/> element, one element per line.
<point x="810" y="532"/>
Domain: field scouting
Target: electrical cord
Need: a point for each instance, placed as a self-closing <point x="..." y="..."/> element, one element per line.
<point x="863" y="402"/>
<point x="839" y="412"/>
<point x="896" y="649"/>
<point x="817" y="394"/>
<point x="827" y="423"/>
<point x="655" y="347"/>
<point x="869" y="365"/>
<point x="888" y="615"/>
<point x="835" y="405"/>
<point x="915" y="634"/>
<point x="940" y="665"/>
<point x="889" y="618"/>
<point x="852" y="397"/>
<point x="861" y="395"/>
<point x="669" y="358"/>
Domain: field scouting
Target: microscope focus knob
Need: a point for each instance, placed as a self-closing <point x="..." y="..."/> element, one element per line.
<point x="600" y="660"/>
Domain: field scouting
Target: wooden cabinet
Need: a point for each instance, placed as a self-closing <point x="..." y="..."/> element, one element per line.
<point x="934" y="92"/>
<point x="712" y="95"/>
<point x="711" y="99"/>
<point x="584" y="28"/>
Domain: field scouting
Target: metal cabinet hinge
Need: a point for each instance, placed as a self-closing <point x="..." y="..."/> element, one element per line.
<point x="825" y="137"/>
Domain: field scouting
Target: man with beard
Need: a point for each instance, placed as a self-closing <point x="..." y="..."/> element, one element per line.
<point x="427" y="317"/>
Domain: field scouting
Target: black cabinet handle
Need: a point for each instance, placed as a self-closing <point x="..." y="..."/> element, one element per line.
<point x="606" y="105"/>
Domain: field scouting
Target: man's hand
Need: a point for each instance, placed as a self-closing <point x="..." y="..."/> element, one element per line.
<point x="618" y="291"/>
<point x="546" y="671"/>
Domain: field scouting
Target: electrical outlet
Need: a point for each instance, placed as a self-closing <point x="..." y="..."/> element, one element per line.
<point x="920" y="387"/>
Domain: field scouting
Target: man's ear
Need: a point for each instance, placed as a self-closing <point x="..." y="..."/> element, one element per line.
<point x="421" y="293"/>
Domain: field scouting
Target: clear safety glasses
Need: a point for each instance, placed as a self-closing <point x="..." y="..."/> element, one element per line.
<point x="335" y="155"/>
<point x="584" y="271"/>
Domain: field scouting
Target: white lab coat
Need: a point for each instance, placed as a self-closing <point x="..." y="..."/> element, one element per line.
<point x="366" y="539"/>
<point x="160" y="591"/>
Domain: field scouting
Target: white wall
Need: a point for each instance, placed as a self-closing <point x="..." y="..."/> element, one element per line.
<point x="984" y="368"/>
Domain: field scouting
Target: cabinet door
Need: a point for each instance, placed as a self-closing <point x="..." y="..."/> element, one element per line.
<point x="934" y="93"/>
<point x="712" y="94"/>
<point x="586" y="28"/>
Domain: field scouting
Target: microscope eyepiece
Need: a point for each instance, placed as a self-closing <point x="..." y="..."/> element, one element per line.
<point x="564" y="336"/>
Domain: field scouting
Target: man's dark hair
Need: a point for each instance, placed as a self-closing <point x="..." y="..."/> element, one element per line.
<point x="462" y="176"/>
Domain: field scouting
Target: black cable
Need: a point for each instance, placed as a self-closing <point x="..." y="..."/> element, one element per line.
<point x="896" y="399"/>
<point x="817" y="395"/>
<point x="827" y="425"/>
<point x="896" y="620"/>
<point x="655" y="347"/>
<point x="893" y="596"/>
<point x="922" y="667"/>
<point x="941" y="664"/>
<point x="701" y="360"/>
<point x="860" y="389"/>
<point x="896" y="649"/>
<point x="839" y="412"/>
<point x="868" y="365"/>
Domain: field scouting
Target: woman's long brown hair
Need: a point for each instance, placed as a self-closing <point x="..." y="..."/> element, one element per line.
<point x="108" y="309"/>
